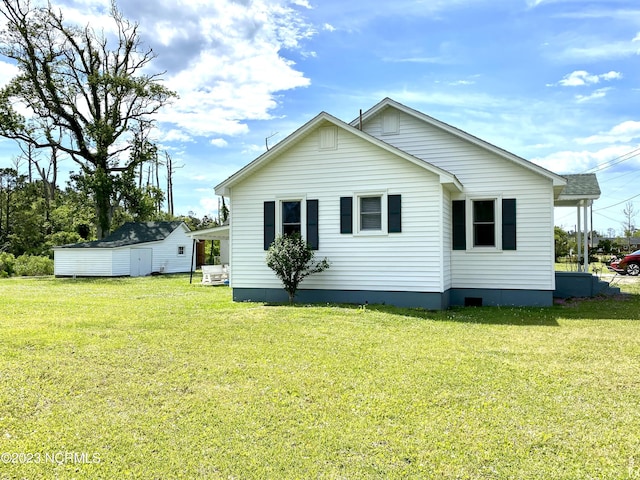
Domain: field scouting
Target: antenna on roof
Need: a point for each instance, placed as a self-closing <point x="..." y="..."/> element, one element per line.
<point x="360" y="126"/>
<point x="266" y="140"/>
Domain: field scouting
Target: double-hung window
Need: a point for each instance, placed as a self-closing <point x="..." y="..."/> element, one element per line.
<point x="370" y="217"/>
<point x="371" y="213"/>
<point x="288" y="216"/>
<point x="291" y="215"/>
<point x="484" y="224"/>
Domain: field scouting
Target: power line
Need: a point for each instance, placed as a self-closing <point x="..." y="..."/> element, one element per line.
<point x="616" y="204"/>
<point x="626" y="174"/>
<point x="614" y="161"/>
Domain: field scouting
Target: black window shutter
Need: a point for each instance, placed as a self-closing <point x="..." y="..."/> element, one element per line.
<point x="312" y="224"/>
<point x="508" y="223"/>
<point x="458" y="222"/>
<point x="346" y="214"/>
<point x="394" y="204"/>
<point x="269" y="224"/>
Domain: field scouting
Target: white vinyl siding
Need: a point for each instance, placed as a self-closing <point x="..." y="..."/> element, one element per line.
<point x="83" y="262"/>
<point x="407" y="261"/>
<point x="166" y="257"/>
<point x="485" y="174"/>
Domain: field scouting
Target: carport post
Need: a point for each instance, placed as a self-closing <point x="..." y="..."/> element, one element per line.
<point x="193" y="251"/>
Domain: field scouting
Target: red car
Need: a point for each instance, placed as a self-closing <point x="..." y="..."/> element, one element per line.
<point x="630" y="264"/>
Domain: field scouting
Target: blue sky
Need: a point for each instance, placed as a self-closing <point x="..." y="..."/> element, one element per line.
<point x="554" y="81"/>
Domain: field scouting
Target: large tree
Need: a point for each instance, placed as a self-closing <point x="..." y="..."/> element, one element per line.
<point x="84" y="91"/>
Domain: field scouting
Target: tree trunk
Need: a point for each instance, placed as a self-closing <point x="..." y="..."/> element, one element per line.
<point x="102" y="191"/>
<point x="169" y="184"/>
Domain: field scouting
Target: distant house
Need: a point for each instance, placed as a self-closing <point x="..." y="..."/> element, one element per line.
<point x="410" y="211"/>
<point x="135" y="249"/>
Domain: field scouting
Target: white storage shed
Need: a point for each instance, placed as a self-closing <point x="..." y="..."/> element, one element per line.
<point x="135" y="249"/>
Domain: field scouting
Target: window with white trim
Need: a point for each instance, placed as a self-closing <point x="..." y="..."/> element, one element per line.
<point x="371" y="213"/>
<point x="291" y="217"/>
<point x="484" y="223"/>
<point x="181" y="250"/>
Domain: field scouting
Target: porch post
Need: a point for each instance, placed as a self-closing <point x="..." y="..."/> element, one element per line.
<point x="586" y="236"/>
<point x="578" y="237"/>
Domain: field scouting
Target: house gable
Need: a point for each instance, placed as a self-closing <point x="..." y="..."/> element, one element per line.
<point x="385" y="121"/>
<point x="325" y="128"/>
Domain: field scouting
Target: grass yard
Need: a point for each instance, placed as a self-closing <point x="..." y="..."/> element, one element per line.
<point x="155" y="378"/>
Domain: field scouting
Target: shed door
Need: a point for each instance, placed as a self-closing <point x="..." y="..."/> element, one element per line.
<point x="141" y="262"/>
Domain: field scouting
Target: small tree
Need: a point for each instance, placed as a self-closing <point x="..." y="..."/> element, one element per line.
<point x="291" y="258"/>
<point x="628" y="226"/>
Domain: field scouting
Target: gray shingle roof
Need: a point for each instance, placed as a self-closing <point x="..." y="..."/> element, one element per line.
<point x="584" y="184"/>
<point x="132" y="233"/>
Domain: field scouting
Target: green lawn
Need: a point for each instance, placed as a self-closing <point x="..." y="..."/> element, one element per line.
<point x="156" y="378"/>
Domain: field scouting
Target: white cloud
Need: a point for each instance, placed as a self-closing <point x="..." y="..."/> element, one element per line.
<point x="600" y="93"/>
<point x="302" y="3"/>
<point x="219" y="142"/>
<point x="328" y="27"/>
<point x="209" y="204"/>
<point x="568" y="161"/>
<point x="238" y="70"/>
<point x="624" y="132"/>
<point x="591" y="49"/>
<point x="175" y="135"/>
<point x="462" y="82"/>
<point x="582" y="77"/>
<point x="253" y="149"/>
<point x="611" y="75"/>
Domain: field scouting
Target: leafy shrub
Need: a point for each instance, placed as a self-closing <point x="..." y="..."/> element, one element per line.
<point x="31" y="265"/>
<point x="292" y="260"/>
<point x="7" y="261"/>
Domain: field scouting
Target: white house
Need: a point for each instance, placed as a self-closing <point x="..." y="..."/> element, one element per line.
<point x="135" y="249"/>
<point x="409" y="211"/>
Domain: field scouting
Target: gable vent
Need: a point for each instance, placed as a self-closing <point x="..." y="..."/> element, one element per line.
<point x="328" y="138"/>
<point x="390" y="123"/>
